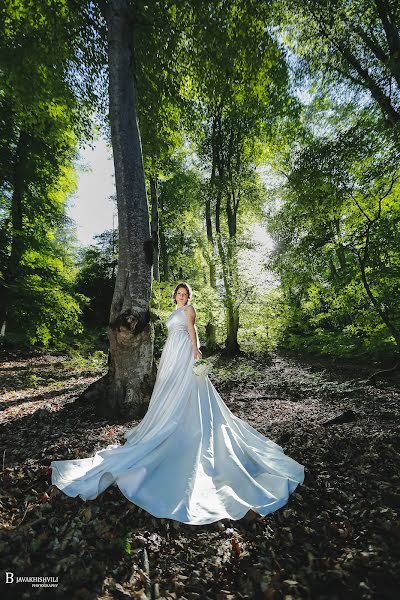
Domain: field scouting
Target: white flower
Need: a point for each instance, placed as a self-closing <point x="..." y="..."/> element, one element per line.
<point x="201" y="367"/>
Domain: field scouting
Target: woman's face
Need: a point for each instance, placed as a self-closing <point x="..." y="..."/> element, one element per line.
<point x="181" y="296"/>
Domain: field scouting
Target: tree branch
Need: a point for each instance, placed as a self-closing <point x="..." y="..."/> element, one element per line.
<point x="376" y="91"/>
<point x="391" y="31"/>
<point x="373" y="45"/>
<point x="360" y="208"/>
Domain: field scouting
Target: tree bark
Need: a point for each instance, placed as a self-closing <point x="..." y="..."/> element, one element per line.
<point x="232" y="347"/>
<point x="155" y="228"/>
<point x="210" y="239"/>
<point x="391" y="31"/>
<point x="127" y="387"/>
<point x="211" y="332"/>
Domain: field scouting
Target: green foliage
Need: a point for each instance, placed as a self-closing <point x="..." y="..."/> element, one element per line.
<point x="41" y="315"/>
<point x="224" y="89"/>
<point x="42" y="120"/>
<point x="34" y="380"/>
<point x="347" y="48"/>
<point x="96" y="278"/>
<point x="180" y="218"/>
<point x="336" y="238"/>
<point x="41" y="306"/>
<point x="261" y="320"/>
<point x="95" y="363"/>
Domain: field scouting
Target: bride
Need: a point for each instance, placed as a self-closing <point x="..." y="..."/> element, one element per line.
<point x="190" y="458"/>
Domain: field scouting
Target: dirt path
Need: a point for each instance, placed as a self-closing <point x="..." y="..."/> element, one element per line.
<point x="338" y="537"/>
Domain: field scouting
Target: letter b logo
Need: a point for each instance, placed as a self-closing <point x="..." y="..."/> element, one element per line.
<point x="9" y="577"/>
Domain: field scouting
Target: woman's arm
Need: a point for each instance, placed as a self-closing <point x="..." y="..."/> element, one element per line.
<point x="191" y="315"/>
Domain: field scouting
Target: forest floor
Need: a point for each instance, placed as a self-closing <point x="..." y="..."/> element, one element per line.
<point x="337" y="538"/>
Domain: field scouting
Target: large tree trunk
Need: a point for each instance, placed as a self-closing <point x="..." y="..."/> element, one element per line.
<point x="155" y="228"/>
<point x="11" y="270"/>
<point x="126" y="388"/>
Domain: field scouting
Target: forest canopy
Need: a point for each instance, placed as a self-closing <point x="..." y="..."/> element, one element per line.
<point x="275" y="115"/>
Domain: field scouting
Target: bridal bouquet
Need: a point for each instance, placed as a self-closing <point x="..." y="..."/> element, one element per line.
<point x="201" y="367"/>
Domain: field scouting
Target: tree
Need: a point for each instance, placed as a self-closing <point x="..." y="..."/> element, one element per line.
<point x="40" y="130"/>
<point x="356" y="42"/>
<point x="181" y="221"/>
<point x="160" y="108"/>
<point x="126" y="387"/>
<point x="336" y="238"/>
<point x="240" y="76"/>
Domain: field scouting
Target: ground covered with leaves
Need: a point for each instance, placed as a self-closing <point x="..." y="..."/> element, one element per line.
<point x="337" y="538"/>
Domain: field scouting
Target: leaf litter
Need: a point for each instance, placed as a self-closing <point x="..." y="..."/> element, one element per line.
<point x="337" y="538"/>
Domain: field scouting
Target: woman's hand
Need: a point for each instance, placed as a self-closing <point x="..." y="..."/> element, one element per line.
<point x="197" y="354"/>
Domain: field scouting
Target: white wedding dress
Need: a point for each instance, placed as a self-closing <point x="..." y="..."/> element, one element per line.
<point x="190" y="458"/>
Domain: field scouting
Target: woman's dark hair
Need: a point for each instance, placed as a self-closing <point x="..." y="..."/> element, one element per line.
<point x="187" y="288"/>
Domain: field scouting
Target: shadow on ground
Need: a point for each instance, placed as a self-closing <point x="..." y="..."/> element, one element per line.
<point x="337" y="538"/>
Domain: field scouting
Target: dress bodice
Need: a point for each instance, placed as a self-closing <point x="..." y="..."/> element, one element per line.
<point x="177" y="321"/>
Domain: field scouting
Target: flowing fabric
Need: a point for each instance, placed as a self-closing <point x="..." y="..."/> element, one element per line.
<point x="190" y="458"/>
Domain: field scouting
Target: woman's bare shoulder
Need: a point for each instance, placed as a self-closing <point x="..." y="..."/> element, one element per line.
<point x="190" y="309"/>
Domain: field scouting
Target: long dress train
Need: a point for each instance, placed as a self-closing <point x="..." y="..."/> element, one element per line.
<point x="190" y="458"/>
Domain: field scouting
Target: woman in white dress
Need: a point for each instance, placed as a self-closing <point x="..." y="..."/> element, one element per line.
<point x="190" y="458"/>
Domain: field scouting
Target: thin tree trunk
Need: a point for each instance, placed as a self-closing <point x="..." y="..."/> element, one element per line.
<point x="232" y="347"/>
<point x="155" y="228"/>
<point x="392" y="36"/>
<point x="375" y="303"/>
<point x="231" y="343"/>
<point x="211" y="333"/>
<point x="163" y="244"/>
<point x="232" y="315"/>
<point x="128" y="384"/>
<point x="364" y="77"/>
<point x="210" y="239"/>
<point x="182" y="246"/>
<point x="14" y="260"/>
